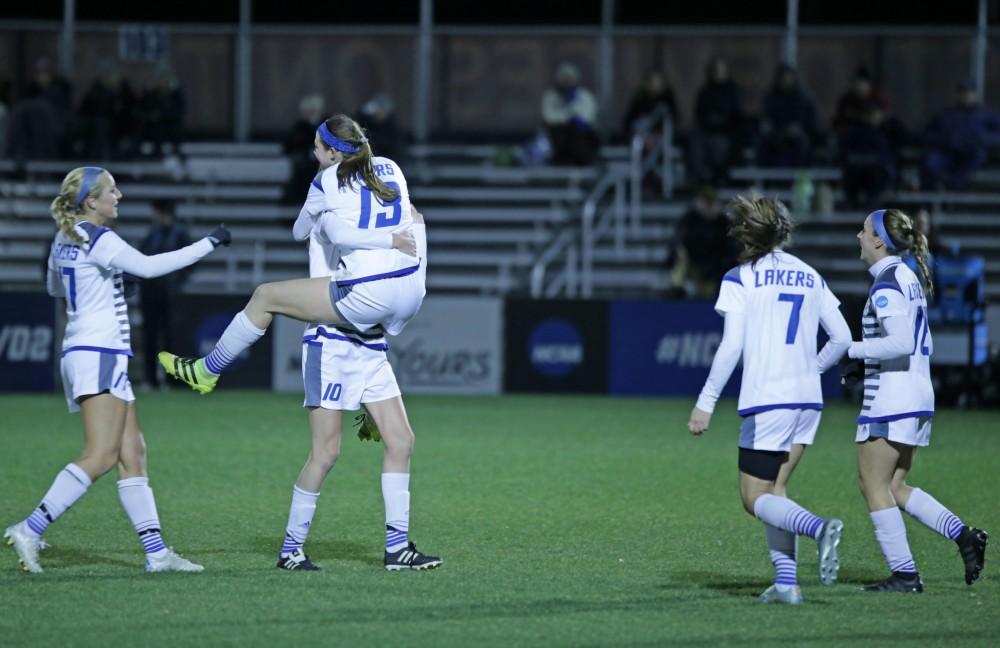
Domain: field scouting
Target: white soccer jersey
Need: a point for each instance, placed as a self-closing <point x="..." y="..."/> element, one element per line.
<point x="358" y="222"/>
<point x="89" y="276"/>
<point x="899" y="387"/>
<point x="324" y="259"/>
<point x="782" y="300"/>
<point x="97" y="316"/>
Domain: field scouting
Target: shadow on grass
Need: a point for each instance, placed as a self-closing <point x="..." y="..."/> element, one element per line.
<point x="722" y="583"/>
<point x="320" y="550"/>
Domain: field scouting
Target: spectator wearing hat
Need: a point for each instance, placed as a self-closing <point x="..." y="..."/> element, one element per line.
<point x="569" y="112"/>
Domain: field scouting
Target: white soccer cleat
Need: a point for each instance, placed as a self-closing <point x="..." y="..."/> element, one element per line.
<point x="788" y="597"/>
<point x="26" y="544"/>
<point x="172" y="562"/>
<point x="826" y="547"/>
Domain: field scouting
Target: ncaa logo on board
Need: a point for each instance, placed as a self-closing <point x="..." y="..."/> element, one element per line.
<point x="555" y="348"/>
<point x="881" y="301"/>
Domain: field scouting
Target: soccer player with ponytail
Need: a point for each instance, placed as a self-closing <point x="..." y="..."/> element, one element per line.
<point x="899" y="401"/>
<point x="376" y="287"/>
<point x="85" y="267"/>
<point x="773" y="305"/>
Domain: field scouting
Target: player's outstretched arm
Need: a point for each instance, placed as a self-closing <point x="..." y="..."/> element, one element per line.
<point x="112" y="251"/>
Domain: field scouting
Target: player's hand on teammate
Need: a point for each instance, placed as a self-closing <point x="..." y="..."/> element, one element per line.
<point x="418" y="218"/>
<point x="405" y="243"/>
<point x="367" y="430"/>
<point x="698" y="423"/>
<point x="851" y="371"/>
<point x="220" y="236"/>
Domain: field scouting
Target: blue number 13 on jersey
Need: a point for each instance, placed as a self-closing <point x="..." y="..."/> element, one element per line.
<point x="793" y="319"/>
<point x="382" y="218"/>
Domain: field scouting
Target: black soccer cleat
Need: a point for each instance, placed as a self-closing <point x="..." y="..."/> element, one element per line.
<point x="409" y="558"/>
<point x="972" y="547"/>
<point x="297" y="561"/>
<point x="898" y="582"/>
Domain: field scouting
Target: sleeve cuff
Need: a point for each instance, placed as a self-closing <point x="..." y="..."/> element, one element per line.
<point x="705" y="403"/>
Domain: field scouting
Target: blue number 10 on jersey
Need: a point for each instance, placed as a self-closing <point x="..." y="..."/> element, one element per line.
<point x="382" y="218"/>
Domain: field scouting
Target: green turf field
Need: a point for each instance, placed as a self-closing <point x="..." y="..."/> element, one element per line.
<point x="569" y="521"/>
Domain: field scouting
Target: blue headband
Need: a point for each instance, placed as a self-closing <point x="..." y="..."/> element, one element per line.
<point x="878" y="223"/>
<point x="335" y="142"/>
<point x="90" y="176"/>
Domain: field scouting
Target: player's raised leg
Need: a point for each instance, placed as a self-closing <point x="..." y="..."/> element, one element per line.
<point x="307" y="300"/>
<point x="397" y="435"/>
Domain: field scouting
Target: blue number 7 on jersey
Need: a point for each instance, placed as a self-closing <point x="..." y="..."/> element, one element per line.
<point x="793" y="320"/>
<point x="382" y="219"/>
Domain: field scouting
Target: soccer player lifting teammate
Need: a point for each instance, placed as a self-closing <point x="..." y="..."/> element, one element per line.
<point x="899" y="401"/>
<point x="85" y="267"/>
<point x="773" y="305"/>
<point x="367" y="280"/>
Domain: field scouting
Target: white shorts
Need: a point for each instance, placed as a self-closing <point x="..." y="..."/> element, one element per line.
<point x="340" y="375"/>
<point x="390" y="299"/>
<point x="85" y="373"/>
<point x="390" y="302"/>
<point x="776" y="430"/>
<point x="911" y="431"/>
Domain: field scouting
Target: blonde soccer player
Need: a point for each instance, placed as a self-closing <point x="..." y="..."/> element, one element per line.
<point x="85" y="267"/>
<point x="773" y="305"/>
<point x="898" y="404"/>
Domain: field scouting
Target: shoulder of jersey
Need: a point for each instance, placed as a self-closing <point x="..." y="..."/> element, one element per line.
<point x="91" y="232"/>
<point x="317" y="183"/>
<point x="733" y="275"/>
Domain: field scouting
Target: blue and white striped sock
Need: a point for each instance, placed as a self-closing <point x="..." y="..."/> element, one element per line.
<point x="137" y="499"/>
<point x="786" y="514"/>
<point x="396" y="495"/>
<point x="782" y="546"/>
<point x="69" y="485"/>
<point x="929" y="512"/>
<point x="890" y="531"/>
<point x="237" y="338"/>
<point x="300" y="516"/>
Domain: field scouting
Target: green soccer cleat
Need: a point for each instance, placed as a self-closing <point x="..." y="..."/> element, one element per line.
<point x="190" y="371"/>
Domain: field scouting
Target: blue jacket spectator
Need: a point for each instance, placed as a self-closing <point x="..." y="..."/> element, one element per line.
<point x="958" y="140"/>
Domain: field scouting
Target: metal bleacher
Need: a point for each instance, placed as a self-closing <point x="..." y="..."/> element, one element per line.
<point x="487" y="224"/>
<point x="492" y="229"/>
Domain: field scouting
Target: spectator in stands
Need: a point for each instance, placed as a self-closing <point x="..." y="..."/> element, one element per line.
<point x="298" y="147"/>
<point x="654" y="94"/>
<point x="854" y="106"/>
<point x="156" y="296"/>
<point x="569" y="112"/>
<point x="958" y="140"/>
<point x="161" y="114"/>
<point x="5" y="96"/>
<point x="788" y="122"/>
<point x="378" y="117"/>
<point x="108" y="116"/>
<point x="38" y="120"/>
<point x="868" y="155"/>
<point x="703" y="250"/>
<point x="718" y="129"/>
